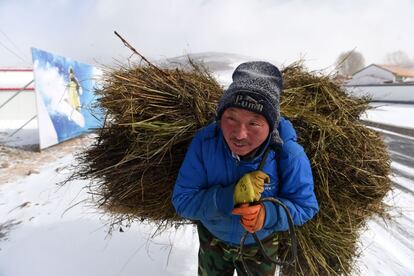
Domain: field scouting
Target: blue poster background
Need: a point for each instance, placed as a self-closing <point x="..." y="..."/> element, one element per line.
<point x="66" y="88"/>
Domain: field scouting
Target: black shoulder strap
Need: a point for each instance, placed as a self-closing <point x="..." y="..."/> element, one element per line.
<point x="277" y="151"/>
<point x="262" y="163"/>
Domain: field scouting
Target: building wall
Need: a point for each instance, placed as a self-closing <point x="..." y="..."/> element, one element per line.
<point x="403" y="93"/>
<point x="12" y="79"/>
<point x="22" y="107"/>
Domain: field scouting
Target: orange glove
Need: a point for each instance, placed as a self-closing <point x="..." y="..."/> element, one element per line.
<point x="252" y="217"/>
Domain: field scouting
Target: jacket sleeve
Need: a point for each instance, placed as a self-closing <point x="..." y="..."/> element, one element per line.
<point x="296" y="192"/>
<point x="192" y="197"/>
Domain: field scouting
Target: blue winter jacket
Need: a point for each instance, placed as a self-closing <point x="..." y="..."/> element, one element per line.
<point x="204" y="187"/>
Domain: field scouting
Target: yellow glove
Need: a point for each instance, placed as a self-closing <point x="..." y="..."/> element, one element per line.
<point x="250" y="187"/>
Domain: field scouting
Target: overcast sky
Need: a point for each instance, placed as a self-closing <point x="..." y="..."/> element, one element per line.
<point x="279" y="30"/>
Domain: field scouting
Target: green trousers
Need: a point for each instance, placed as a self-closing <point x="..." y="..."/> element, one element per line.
<point x="218" y="258"/>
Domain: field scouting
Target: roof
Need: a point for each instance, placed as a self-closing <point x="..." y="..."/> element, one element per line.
<point x="16" y="70"/>
<point x="397" y="70"/>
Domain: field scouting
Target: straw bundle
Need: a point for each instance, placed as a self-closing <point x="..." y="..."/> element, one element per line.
<point x="350" y="165"/>
<point x="152" y="115"/>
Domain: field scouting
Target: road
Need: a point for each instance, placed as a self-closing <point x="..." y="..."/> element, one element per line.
<point x="401" y="149"/>
<point x="388" y="245"/>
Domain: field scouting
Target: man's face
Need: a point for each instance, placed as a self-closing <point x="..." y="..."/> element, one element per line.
<point x="243" y="130"/>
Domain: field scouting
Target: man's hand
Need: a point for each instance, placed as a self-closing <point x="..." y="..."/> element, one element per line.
<point x="250" y="187"/>
<point x="252" y="217"/>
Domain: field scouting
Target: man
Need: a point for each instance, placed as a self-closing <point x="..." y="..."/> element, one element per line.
<point x="220" y="175"/>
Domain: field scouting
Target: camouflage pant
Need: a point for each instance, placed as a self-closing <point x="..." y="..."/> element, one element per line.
<point x="218" y="258"/>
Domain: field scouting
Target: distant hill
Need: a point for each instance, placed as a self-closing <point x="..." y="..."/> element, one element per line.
<point x="214" y="61"/>
<point x="220" y="64"/>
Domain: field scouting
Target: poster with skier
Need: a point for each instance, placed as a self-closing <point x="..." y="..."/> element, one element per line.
<point x="65" y="97"/>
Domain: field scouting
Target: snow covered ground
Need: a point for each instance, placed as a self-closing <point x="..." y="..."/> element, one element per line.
<point x="401" y="115"/>
<point x="46" y="229"/>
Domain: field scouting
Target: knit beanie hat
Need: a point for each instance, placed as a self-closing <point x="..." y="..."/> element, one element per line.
<point x="256" y="86"/>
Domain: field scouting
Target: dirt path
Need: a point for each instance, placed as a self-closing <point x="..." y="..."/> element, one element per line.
<point x="16" y="162"/>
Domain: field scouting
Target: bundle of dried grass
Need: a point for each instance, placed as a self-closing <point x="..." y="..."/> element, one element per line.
<point x="152" y="115"/>
<point x="351" y="169"/>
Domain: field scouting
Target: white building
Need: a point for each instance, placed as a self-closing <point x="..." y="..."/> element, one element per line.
<point x="380" y="74"/>
<point x="392" y="92"/>
<point x="17" y="96"/>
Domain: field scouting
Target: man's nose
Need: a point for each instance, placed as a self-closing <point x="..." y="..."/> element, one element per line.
<point x="240" y="131"/>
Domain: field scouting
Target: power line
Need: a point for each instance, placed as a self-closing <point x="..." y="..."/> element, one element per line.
<point x="14" y="53"/>
<point x="14" y="44"/>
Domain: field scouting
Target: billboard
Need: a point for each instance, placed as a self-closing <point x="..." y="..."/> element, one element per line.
<point x="65" y="97"/>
